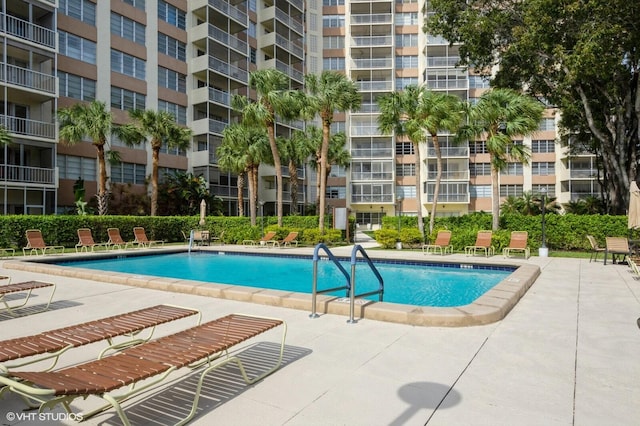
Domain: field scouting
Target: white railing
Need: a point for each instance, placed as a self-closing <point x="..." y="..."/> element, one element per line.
<point x="23" y="126"/>
<point x="229" y="10"/>
<point x="25" y="174"/>
<point x="26" y="30"/>
<point x="26" y="78"/>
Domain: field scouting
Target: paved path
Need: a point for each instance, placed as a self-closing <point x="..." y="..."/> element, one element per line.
<point x="567" y="354"/>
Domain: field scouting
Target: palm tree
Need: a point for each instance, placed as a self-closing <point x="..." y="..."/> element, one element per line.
<point x="418" y="113"/>
<point x="95" y="122"/>
<point x="327" y="94"/>
<point x="5" y="136"/>
<point x="295" y="151"/>
<point x="160" y="127"/>
<point x="274" y="99"/>
<point x="499" y="116"/>
<point x="338" y="155"/>
<point x="242" y="150"/>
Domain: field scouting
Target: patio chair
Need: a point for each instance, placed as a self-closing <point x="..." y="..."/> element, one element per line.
<point x="262" y="242"/>
<point x="140" y="238"/>
<point x="616" y="246"/>
<point x="441" y="244"/>
<point x="595" y="248"/>
<point x="483" y="244"/>
<point x="518" y="243"/>
<point x="23" y="287"/>
<point x="151" y="362"/>
<point x="290" y="239"/>
<point x="51" y="344"/>
<point x="86" y="241"/>
<point x="116" y="240"/>
<point x="35" y="242"/>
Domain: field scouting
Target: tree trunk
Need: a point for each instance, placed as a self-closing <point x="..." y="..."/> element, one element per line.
<point x="418" y="166"/>
<point x="278" y="166"/>
<point x="102" y="182"/>
<point x="324" y="152"/>
<point x="293" y="173"/>
<point x="436" y="191"/>
<point x="495" y="196"/>
<point x="252" y="196"/>
<point x="155" y="147"/>
<point x="241" y="194"/>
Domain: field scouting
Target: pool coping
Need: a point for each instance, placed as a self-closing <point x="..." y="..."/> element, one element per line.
<point x="491" y="307"/>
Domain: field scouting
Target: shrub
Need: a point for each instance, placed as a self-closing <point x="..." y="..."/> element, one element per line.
<point x="386" y="237"/>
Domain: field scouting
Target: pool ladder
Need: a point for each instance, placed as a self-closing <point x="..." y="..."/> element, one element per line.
<point x="350" y="285"/>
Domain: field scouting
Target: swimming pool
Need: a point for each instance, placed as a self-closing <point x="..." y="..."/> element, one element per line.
<point x="412" y="283"/>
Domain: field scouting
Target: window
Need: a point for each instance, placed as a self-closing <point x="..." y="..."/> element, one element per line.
<point x="336" y="192"/>
<point x="543" y="145"/>
<point x="333" y="42"/>
<point x="251" y="32"/>
<point x="337" y="171"/>
<point x="82" y="10"/>
<point x="480" y="191"/>
<point x="406" y="40"/>
<point x="537" y="190"/>
<point x="410" y="18"/>
<point x="139" y="4"/>
<point x="333" y="21"/>
<point x="333" y="63"/>
<point x="77" y="47"/>
<point x="405" y="169"/>
<point x="253" y="6"/>
<point x="172" y="47"/>
<point x="547" y="124"/>
<point x="402" y="82"/>
<point x="127" y="65"/>
<point x="406" y="191"/>
<point x="333" y="2"/>
<point x="512" y="169"/>
<point x="128" y="173"/>
<point x="479" y="147"/>
<point x="543" y="168"/>
<point x="73" y="86"/>
<point x="479" y="169"/>
<point x="406" y="62"/>
<point x="72" y="167"/>
<point x="511" y="190"/>
<point x="253" y="55"/>
<point x="172" y="80"/>
<point x="171" y="14"/>
<point x="479" y="82"/>
<point x="126" y="99"/>
<point x="338" y="126"/>
<point x="178" y="111"/>
<point x="405" y="148"/>
<point x="127" y="28"/>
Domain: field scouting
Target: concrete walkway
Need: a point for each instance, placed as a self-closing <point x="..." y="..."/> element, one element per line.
<point x="567" y="354"/>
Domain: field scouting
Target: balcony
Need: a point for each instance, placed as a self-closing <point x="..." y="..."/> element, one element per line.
<point x="288" y="70"/>
<point x="369" y="176"/>
<point x="453" y="151"/>
<point x="228" y="70"/>
<point x="382" y="18"/>
<point x="369" y="198"/>
<point x="583" y="174"/>
<point x="372" y="153"/>
<point x="30" y="175"/>
<point x="27" y="31"/>
<point x="450" y="198"/>
<point x="365" y="130"/>
<point x="442" y="61"/>
<point x="375" y="86"/>
<point x="372" y="41"/>
<point x="289" y="46"/>
<point x="32" y="128"/>
<point x="375" y="63"/>
<point x="216" y="126"/>
<point x="227" y="39"/>
<point x="26" y="78"/>
<point x="230" y="11"/>
<point x="453" y="175"/>
<point x="289" y="21"/>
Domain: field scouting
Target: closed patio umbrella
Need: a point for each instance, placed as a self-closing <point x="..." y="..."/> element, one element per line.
<point x="203" y="212"/>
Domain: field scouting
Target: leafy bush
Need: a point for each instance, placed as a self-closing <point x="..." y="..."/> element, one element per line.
<point x="410" y="237"/>
<point x="386" y="237"/>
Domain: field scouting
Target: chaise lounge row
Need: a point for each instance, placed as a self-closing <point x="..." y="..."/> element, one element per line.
<point x="517" y="243"/>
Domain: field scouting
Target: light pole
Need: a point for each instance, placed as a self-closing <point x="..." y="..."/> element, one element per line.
<point x="543" y="251"/>
<point x="261" y="217"/>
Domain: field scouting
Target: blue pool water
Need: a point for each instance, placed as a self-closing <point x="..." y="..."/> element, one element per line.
<point x="407" y="283"/>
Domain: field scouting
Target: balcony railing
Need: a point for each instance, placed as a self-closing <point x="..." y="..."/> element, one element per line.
<point x="290" y="71"/>
<point x="289" y="46"/>
<point x="25" y="174"/>
<point x="292" y="23"/>
<point x="372" y="130"/>
<point x="216" y="95"/>
<point x="442" y="61"/>
<point x="373" y="63"/>
<point x="457" y="175"/>
<point x="378" y="198"/>
<point x="583" y="174"/>
<point x="372" y="153"/>
<point x="229" y="10"/>
<point x="27" y="127"/>
<point x="457" y="151"/>
<point x="371" y="175"/>
<point x="227" y="39"/>
<point x="26" y="78"/>
<point x="372" y="41"/>
<point x="228" y="70"/>
<point x="374" y="85"/>
<point x="449" y="198"/>
<point x="216" y="126"/>
<point x="26" y="30"/>
<point x="378" y="18"/>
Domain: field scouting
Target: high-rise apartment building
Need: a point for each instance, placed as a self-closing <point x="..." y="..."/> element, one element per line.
<point x="191" y="57"/>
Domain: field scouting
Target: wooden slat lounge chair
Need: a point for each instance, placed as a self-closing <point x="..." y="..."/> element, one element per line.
<point x="35" y="242"/>
<point x="116" y="240"/>
<point x="23" y="287"/>
<point x="290" y="239"/>
<point x="518" y="243"/>
<point x="616" y="246"/>
<point x="51" y="344"/>
<point x="442" y="244"/>
<point x="483" y="244"/>
<point x="86" y="241"/>
<point x="141" y="238"/>
<point x="262" y="242"/>
<point x="199" y="347"/>
<point x="595" y="248"/>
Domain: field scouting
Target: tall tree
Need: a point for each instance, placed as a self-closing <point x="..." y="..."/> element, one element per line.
<point x="242" y="150"/>
<point x="419" y="113"/>
<point x="581" y="56"/>
<point x="328" y="93"/>
<point x="295" y="151"/>
<point x="500" y="116"/>
<point x="274" y="99"/>
<point x="160" y="128"/>
<point x="95" y="122"/>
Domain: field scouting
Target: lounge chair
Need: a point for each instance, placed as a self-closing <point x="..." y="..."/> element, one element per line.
<point x="441" y="244"/>
<point x="616" y="246"/>
<point x="197" y="347"/>
<point x="86" y="241"/>
<point x="140" y="238"/>
<point x="51" y="344"/>
<point x="595" y="248"/>
<point x="116" y="240"/>
<point x="23" y="287"/>
<point x="483" y="244"/>
<point x="35" y="242"/>
<point x="262" y="242"/>
<point x="290" y="239"/>
<point x="518" y="243"/>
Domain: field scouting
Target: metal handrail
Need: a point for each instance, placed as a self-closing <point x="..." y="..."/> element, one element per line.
<point x="314" y="290"/>
<point x="352" y="296"/>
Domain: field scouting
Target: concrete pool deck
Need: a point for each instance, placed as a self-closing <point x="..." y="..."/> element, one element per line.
<point x="566" y="354"/>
